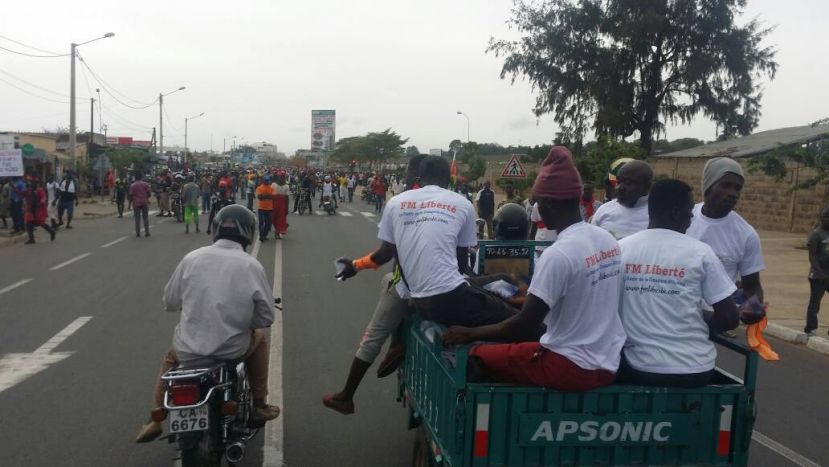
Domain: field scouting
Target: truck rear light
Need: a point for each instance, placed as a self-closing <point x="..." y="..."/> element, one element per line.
<point x="481" y="443"/>
<point x="724" y="438"/>
<point x="184" y="393"/>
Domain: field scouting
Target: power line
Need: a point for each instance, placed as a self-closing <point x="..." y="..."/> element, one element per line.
<point x="37" y="86"/>
<point x="33" y="94"/>
<point x="32" y="55"/>
<point x="170" y="120"/>
<point x="33" y="48"/>
<point x="124" y="121"/>
<point x="107" y="87"/>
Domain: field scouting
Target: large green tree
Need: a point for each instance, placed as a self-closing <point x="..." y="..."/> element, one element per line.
<point x="621" y="67"/>
<point x="375" y="147"/>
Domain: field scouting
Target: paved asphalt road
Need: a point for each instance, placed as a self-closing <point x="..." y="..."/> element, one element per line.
<point x="87" y="397"/>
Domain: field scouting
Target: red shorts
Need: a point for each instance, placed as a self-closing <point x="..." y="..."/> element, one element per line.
<point x="532" y="364"/>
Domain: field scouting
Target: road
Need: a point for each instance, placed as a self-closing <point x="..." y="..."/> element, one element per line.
<point x="83" y="333"/>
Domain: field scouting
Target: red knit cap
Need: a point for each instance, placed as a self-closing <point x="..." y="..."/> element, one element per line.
<point x="558" y="177"/>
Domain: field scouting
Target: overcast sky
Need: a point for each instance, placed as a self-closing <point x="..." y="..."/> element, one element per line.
<point x="258" y="67"/>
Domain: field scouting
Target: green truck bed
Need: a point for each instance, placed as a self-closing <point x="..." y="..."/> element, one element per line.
<point x="472" y="424"/>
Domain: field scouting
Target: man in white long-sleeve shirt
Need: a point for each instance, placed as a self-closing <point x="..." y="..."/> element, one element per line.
<point x="225" y="301"/>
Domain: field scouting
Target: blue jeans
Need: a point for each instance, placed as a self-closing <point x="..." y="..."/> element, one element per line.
<point x="205" y="202"/>
<point x="264" y="223"/>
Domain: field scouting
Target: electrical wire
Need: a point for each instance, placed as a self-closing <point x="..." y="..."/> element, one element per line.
<point x="112" y="91"/>
<point x="170" y="120"/>
<point x="32" y="55"/>
<point x="124" y="121"/>
<point x="33" y="94"/>
<point x="37" y="86"/>
<point x="33" y="48"/>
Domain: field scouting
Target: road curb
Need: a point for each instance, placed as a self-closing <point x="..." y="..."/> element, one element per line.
<point x="815" y="343"/>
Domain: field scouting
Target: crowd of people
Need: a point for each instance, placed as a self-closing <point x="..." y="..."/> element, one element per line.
<point x="30" y="202"/>
<point x="629" y="292"/>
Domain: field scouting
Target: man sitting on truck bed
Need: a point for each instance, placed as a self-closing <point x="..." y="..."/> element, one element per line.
<point x="667" y="277"/>
<point x="574" y="291"/>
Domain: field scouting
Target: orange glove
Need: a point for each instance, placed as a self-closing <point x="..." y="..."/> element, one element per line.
<point x="755" y="339"/>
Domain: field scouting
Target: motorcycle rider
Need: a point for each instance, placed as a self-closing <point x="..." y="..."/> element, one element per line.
<point x="225" y="302"/>
<point x="328" y="190"/>
<point x="220" y="200"/>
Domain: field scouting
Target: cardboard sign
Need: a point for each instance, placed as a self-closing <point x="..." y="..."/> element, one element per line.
<point x="514" y="169"/>
<point x="11" y="163"/>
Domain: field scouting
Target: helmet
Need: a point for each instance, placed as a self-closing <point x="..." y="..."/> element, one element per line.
<point x="222" y="185"/>
<point x="511" y="222"/>
<point x="235" y="222"/>
<point x="327" y="178"/>
<point x="179" y="177"/>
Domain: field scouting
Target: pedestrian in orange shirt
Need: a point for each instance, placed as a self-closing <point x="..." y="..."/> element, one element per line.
<point x="264" y="197"/>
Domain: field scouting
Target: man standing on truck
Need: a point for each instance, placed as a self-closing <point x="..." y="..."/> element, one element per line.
<point x="574" y="292"/>
<point x="667" y="277"/>
<point x="734" y="241"/>
<point x="628" y="213"/>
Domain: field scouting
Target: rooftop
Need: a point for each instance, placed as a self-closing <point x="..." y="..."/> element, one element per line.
<point x="756" y="143"/>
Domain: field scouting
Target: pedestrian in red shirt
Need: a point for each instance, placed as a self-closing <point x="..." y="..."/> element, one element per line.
<point x="140" y="193"/>
<point x="379" y="190"/>
<point x="36" y="210"/>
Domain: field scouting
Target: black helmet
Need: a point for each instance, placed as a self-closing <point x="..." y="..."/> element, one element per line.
<point x="235" y="222"/>
<point x="511" y="222"/>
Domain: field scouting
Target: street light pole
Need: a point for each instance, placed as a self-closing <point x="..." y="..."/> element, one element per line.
<point x="72" y="123"/>
<point x="161" y="119"/>
<point x="467" y="124"/>
<point x="186" y="119"/>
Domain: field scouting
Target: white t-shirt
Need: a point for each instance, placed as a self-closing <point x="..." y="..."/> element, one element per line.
<point x="667" y="278"/>
<point x="579" y="278"/>
<point x="622" y="221"/>
<point x="542" y="234"/>
<point x="734" y="241"/>
<point x="327" y="189"/>
<point x="51" y="190"/>
<point x="428" y="225"/>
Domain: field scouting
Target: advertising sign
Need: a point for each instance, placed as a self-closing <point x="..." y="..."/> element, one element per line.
<point x="11" y="163"/>
<point x="7" y="141"/>
<point x="323" y="129"/>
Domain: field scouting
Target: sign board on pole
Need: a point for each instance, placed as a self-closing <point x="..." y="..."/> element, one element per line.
<point x="323" y="129"/>
<point x="11" y="163"/>
<point x="514" y="169"/>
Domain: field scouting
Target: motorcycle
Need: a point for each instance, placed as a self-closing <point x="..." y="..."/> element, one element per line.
<point x="175" y="202"/>
<point x="210" y="408"/>
<point x="328" y="205"/>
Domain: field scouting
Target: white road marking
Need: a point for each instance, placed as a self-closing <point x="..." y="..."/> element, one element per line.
<point x="67" y="263"/>
<point x="368" y="214"/>
<point x="345" y="213"/>
<point x="320" y="213"/>
<point x="14" y="286"/>
<point x="114" y="242"/>
<point x="167" y="219"/>
<point x="273" y="455"/>
<point x="794" y="457"/>
<point x="16" y="367"/>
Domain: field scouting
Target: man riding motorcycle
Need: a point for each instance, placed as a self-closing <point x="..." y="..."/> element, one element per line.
<point x="225" y="301"/>
<point x="220" y="200"/>
<point x="328" y="190"/>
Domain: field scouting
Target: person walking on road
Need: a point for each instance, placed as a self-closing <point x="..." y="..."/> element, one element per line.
<point x="36" y="202"/>
<point x="818" y="272"/>
<point x="67" y="199"/>
<point x="120" y="194"/>
<point x="486" y="206"/>
<point x="52" y="188"/>
<point x="281" y="199"/>
<point x="5" y="202"/>
<point x="206" y="184"/>
<point x="140" y="193"/>
<point x="190" y="195"/>
<point x="264" y="206"/>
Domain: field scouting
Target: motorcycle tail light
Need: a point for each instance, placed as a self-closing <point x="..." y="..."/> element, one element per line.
<point x="184" y="393"/>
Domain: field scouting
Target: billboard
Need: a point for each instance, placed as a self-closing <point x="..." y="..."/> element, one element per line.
<point x="323" y="129"/>
<point x="11" y="162"/>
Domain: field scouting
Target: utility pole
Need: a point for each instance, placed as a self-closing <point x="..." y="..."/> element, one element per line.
<point x="72" y="139"/>
<point x="160" y="124"/>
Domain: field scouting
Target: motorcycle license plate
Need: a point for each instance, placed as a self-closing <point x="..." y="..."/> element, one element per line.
<point x="184" y="420"/>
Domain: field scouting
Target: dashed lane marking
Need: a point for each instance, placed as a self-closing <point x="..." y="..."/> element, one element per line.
<point x="368" y="214"/>
<point x="67" y="263"/>
<point x="14" y="286"/>
<point x="795" y="457"/>
<point x="114" y="242"/>
<point x="345" y="213"/>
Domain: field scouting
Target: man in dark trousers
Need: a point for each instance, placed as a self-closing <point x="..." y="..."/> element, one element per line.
<point x="486" y="206"/>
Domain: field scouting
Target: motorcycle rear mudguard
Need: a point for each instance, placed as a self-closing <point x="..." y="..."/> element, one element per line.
<point x="189" y="440"/>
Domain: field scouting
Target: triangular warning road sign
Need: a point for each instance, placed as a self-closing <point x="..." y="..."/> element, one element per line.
<point x="514" y="169"/>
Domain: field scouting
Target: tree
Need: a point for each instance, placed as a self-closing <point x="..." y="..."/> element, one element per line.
<point x="372" y="148"/>
<point x="123" y="159"/>
<point x="476" y="170"/>
<point x="630" y="66"/>
<point x="598" y="155"/>
<point x="412" y="151"/>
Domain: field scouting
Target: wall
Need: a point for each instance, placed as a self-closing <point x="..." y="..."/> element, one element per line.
<point x="766" y="203"/>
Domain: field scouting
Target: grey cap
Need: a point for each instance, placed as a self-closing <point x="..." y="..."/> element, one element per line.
<point x="716" y="168"/>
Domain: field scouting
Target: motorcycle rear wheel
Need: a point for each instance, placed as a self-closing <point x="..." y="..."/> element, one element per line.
<point x="200" y="455"/>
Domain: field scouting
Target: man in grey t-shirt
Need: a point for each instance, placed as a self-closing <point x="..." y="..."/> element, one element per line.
<point x="190" y="195"/>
